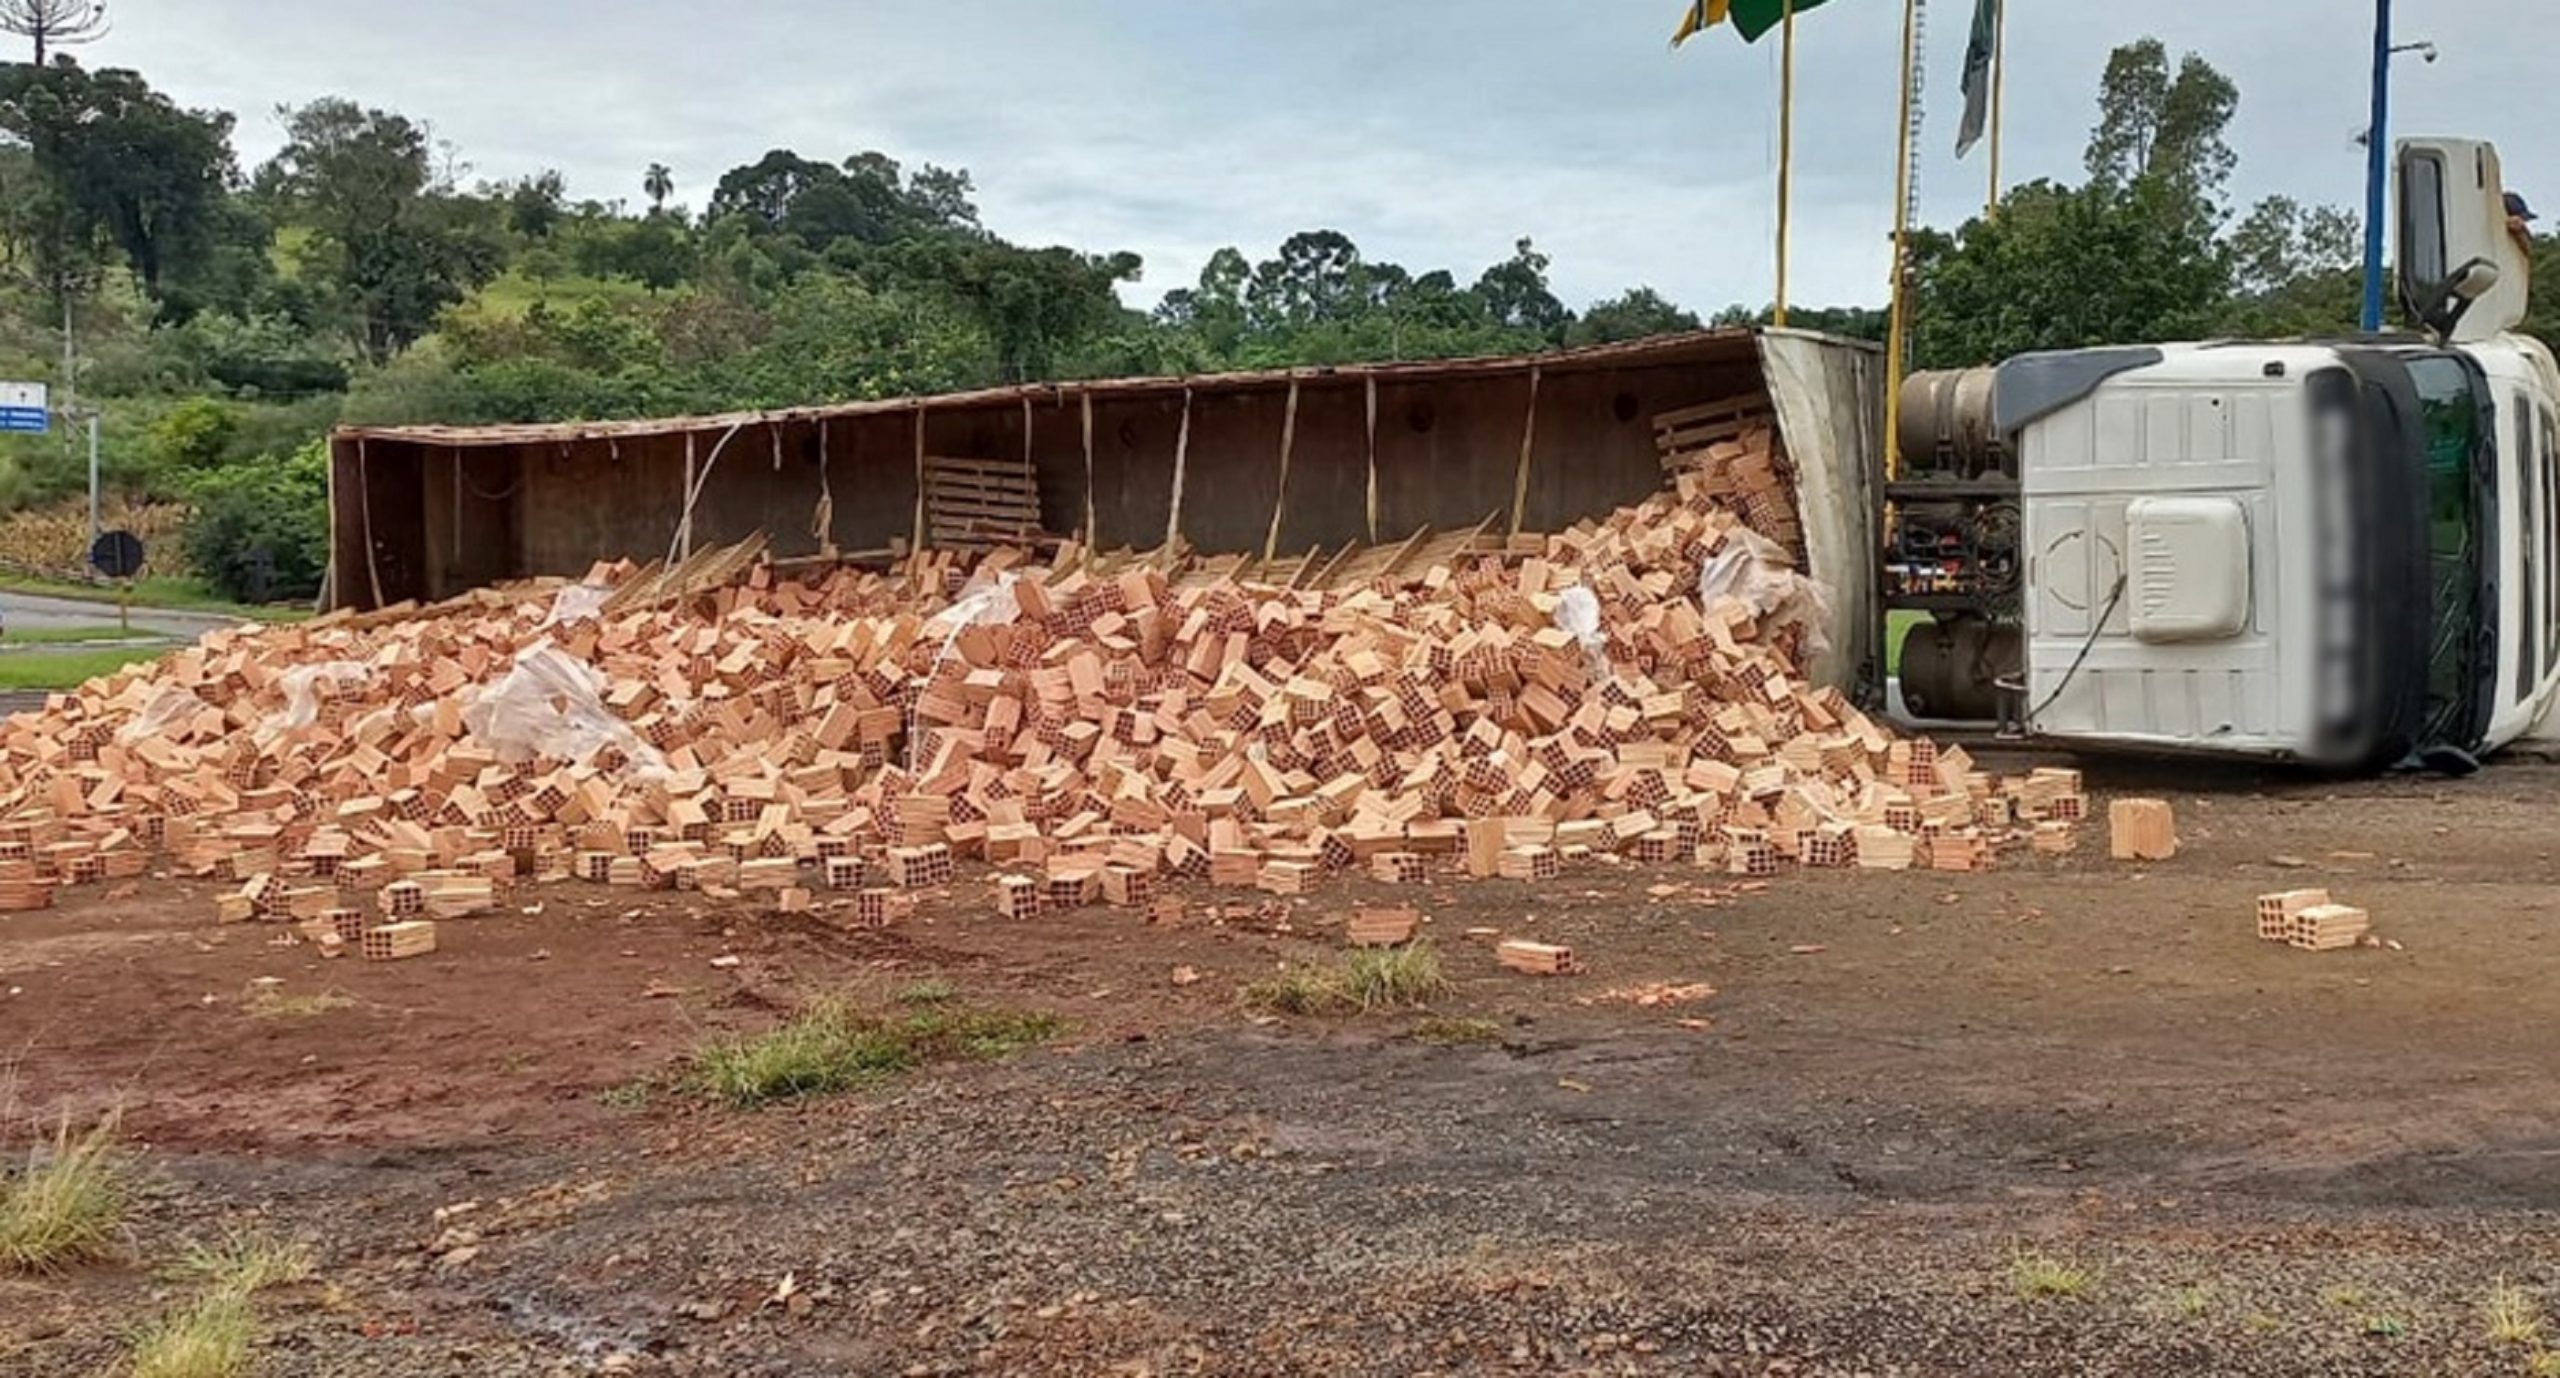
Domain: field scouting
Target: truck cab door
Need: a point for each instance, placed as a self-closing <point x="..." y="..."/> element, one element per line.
<point x="2462" y="275"/>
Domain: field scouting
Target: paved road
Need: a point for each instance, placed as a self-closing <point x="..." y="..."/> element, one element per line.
<point x="27" y="611"/>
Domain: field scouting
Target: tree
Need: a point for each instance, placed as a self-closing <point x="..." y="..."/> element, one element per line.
<point x="54" y="23"/>
<point x="2283" y="240"/>
<point x="389" y="233"/>
<point x="2296" y="270"/>
<point x="2137" y="254"/>
<point x="537" y="204"/>
<point x="941" y="196"/>
<point x="1632" y="315"/>
<point x="658" y="183"/>
<point x="1515" y="292"/>
<point x="1033" y="304"/>
<point x="118" y="162"/>
<point x="656" y="252"/>
<point x="1309" y="282"/>
<point x="2153" y="124"/>
<point x="1849" y="322"/>
<point x="762" y="191"/>
<point x="2064" y="268"/>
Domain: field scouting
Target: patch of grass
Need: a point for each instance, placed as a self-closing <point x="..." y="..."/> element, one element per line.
<point x="946" y="1034"/>
<point x="179" y="593"/>
<point x="629" y="1096"/>
<point x="2545" y="1363"/>
<point x="66" y="1205"/>
<point x="1451" y="1032"/>
<point x="1387" y="978"/>
<point x="267" y="1002"/>
<point x="831" y="1046"/>
<point x="70" y="636"/>
<point x="2035" y="1275"/>
<point x="67" y="669"/>
<point x="207" y="1338"/>
<point x="1393" y="978"/>
<point x="1297" y="990"/>
<point x="931" y="992"/>
<point x="2193" y="1300"/>
<point x="2345" y="1298"/>
<point x="2513" y="1316"/>
<point x="246" y="1262"/>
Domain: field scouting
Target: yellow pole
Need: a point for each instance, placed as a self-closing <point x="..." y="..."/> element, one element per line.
<point x="1786" y="154"/>
<point x="1899" y="325"/>
<point x="1999" y="80"/>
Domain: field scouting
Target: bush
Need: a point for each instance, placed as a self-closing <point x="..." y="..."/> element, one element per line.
<point x="192" y="437"/>
<point x="261" y="529"/>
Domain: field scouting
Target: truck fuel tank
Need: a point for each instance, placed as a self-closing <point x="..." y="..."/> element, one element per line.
<point x="1952" y="666"/>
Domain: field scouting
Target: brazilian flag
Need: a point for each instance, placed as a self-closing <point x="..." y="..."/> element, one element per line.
<point x="1750" y="18"/>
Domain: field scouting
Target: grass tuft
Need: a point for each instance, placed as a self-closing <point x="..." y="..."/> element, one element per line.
<point x="2034" y="1275"/>
<point x="1451" y="1032"/>
<point x="2545" y="1363"/>
<point x="270" y="1003"/>
<point x="2514" y="1317"/>
<point x="1387" y="978"/>
<point x="1393" y="978"/>
<point x="629" y="1096"/>
<point x="929" y="992"/>
<point x="66" y="1205"/>
<point x="831" y="1046"/>
<point x="246" y="1262"/>
<point x="207" y="1338"/>
<point x="1296" y="990"/>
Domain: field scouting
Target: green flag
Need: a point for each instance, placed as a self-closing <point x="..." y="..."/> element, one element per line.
<point x="1751" y="18"/>
<point x="1979" y="51"/>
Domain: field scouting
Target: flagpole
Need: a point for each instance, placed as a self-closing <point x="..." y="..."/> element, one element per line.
<point x="1999" y="80"/>
<point x="1786" y="155"/>
<point x="1899" y="324"/>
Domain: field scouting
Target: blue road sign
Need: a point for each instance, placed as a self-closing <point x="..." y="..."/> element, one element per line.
<point x="25" y="408"/>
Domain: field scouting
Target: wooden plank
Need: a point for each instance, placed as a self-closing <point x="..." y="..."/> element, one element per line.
<point x="1181" y="466"/>
<point x="1019" y="483"/>
<point x="1280" y="491"/>
<point x="1528" y="441"/>
<point x="977" y="468"/>
<point x="1709" y="411"/>
<point x="1029" y="512"/>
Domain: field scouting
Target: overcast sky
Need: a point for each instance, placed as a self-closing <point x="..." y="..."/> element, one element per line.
<point x="1433" y="132"/>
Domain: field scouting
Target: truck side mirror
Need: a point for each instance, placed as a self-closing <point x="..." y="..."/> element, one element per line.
<point x="2453" y="298"/>
<point x="2473" y="280"/>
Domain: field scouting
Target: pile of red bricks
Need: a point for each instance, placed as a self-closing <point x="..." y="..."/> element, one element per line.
<point x="1097" y="726"/>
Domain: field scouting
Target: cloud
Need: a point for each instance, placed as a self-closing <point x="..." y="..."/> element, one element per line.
<point x="1433" y="133"/>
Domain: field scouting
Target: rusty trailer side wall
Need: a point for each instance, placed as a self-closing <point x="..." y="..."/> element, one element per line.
<point x="1366" y="454"/>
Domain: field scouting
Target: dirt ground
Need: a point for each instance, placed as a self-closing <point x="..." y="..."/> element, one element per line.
<point x="1902" y="1088"/>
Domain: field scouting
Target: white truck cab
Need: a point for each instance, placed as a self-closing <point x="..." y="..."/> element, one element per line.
<point x="2346" y="553"/>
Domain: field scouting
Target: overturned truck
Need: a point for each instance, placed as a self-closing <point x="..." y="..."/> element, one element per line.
<point x="1291" y="472"/>
<point x="1496" y="617"/>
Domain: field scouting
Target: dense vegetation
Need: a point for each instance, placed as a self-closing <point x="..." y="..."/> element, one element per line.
<point x="224" y="317"/>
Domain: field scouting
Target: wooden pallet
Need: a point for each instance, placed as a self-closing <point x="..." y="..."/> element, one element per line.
<point x="980" y="504"/>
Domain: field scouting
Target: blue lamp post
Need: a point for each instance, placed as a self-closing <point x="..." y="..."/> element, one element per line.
<point x="2377" y="168"/>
